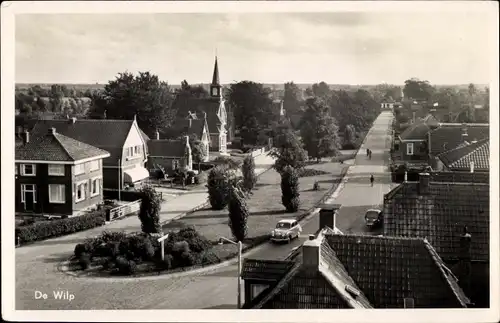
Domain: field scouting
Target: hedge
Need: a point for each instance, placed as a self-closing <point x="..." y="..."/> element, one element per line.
<point x="56" y="228"/>
<point x="127" y="196"/>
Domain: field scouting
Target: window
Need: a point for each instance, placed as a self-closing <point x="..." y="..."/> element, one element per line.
<point x="28" y="188"/>
<point x="95" y="186"/>
<point x="57" y="193"/>
<point x="56" y="170"/>
<point x="80" y="169"/>
<point x="94" y="165"/>
<point x="175" y="164"/>
<point x="256" y="289"/>
<point x="409" y="149"/>
<point x="15" y="169"/>
<point x="81" y="190"/>
<point x="28" y="169"/>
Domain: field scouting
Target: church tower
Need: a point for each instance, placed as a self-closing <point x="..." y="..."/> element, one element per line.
<point x="215" y="87"/>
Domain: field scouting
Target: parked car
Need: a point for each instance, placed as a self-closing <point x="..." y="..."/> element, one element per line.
<point x="286" y="230"/>
<point x="373" y="218"/>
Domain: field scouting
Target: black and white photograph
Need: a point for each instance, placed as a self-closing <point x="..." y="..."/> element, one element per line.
<point x="237" y="161"/>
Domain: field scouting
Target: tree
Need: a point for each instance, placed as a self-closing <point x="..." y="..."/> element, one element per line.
<point x="252" y="109"/>
<point x="249" y="176"/>
<point x="292" y="98"/>
<point x="219" y="185"/>
<point x="321" y="89"/>
<point x="319" y="131"/>
<point x="238" y="214"/>
<point x="142" y="96"/>
<point x="288" y="149"/>
<point x="349" y="134"/>
<point x="198" y="151"/>
<point x="290" y="195"/>
<point x="149" y="213"/>
<point x="418" y="90"/>
<point x="184" y="94"/>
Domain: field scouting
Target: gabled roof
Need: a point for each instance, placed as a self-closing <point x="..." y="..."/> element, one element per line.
<point x="208" y="105"/>
<point x="103" y="133"/>
<point x="265" y="270"/>
<point x="380" y="272"/>
<point x="449" y="135"/>
<point x="440" y="216"/>
<point x="460" y="158"/>
<point x="166" y="148"/>
<point x="416" y="131"/>
<point x="57" y="147"/>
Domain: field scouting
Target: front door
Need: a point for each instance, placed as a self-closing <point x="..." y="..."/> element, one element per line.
<point x="29" y="197"/>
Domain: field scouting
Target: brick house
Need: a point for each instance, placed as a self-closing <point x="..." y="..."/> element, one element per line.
<point x="171" y="155"/>
<point x="470" y="157"/>
<point x="214" y="108"/>
<point x="57" y="175"/>
<point x="387" y="103"/>
<point x="439" y="211"/>
<point x="335" y="271"/>
<point x="123" y="139"/>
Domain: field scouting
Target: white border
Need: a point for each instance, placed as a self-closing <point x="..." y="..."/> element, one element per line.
<point x="9" y="9"/>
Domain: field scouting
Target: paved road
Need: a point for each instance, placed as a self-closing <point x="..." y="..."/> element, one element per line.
<point x="36" y="265"/>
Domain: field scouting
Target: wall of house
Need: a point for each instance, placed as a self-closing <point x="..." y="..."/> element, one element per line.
<point x="110" y="177"/>
<point x="214" y="142"/>
<point x="166" y="162"/>
<point x="134" y="138"/>
<point x="42" y="180"/>
<point x="419" y="151"/>
<point x="88" y="176"/>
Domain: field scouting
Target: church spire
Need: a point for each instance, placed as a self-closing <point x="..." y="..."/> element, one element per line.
<point x="215" y="78"/>
<point x="215" y="87"/>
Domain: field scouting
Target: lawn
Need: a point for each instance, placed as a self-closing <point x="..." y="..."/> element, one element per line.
<point x="264" y="205"/>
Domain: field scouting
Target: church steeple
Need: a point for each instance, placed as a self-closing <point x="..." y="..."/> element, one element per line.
<point x="215" y="88"/>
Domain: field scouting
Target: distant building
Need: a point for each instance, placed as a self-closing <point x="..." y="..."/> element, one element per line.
<point x="171" y="155"/>
<point x="57" y="175"/>
<point x="469" y="157"/>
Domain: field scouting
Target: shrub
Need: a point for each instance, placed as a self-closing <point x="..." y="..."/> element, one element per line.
<point x="218" y="187"/>
<point x="166" y="263"/>
<point x="180" y="247"/>
<point x="200" y="178"/>
<point x="227" y="161"/>
<point x="56" y="228"/>
<point x="123" y="265"/>
<point x="238" y="214"/>
<point x="80" y="249"/>
<point x="308" y="172"/>
<point x="187" y="259"/>
<point x="209" y="257"/>
<point x="196" y="242"/>
<point x="249" y="176"/>
<point x="290" y="189"/>
<point x="84" y="260"/>
<point x="150" y="210"/>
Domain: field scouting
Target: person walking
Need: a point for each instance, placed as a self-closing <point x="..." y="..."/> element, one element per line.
<point x="370" y="154"/>
<point x="367" y="152"/>
<point x="372" y="179"/>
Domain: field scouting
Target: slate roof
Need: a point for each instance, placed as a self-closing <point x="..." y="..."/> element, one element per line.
<point x="460" y="177"/>
<point x="384" y="270"/>
<point x="460" y="158"/>
<point x="103" y="133"/>
<point x="440" y="216"/>
<point x="451" y="135"/>
<point x="419" y="130"/>
<point x="208" y="105"/>
<point x="166" y="148"/>
<point x="56" y="147"/>
<point x="196" y="126"/>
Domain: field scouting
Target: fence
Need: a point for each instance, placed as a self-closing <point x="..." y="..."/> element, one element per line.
<point x="124" y="210"/>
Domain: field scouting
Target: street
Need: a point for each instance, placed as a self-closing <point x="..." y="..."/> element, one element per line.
<point x="36" y="265"/>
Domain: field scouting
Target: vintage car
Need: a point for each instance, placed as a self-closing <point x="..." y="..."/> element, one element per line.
<point x="373" y="218"/>
<point x="286" y="230"/>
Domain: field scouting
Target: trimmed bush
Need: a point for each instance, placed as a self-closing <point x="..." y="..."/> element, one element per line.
<point x="56" y="228"/>
<point x="290" y="189"/>
<point x="201" y="178"/>
<point x="166" y="263"/>
<point x="80" y="249"/>
<point x="187" y="259"/>
<point x="208" y="258"/>
<point x="249" y="176"/>
<point x="84" y="260"/>
<point x="308" y="172"/>
<point x="196" y="242"/>
<point x="150" y="210"/>
<point x="238" y="214"/>
<point x="218" y="185"/>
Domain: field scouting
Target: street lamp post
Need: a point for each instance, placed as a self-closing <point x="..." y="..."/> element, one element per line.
<point x="240" y="250"/>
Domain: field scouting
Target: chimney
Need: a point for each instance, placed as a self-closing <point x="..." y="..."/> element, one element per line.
<point x="157" y="134"/>
<point x="327" y="215"/>
<point x="72" y="120"/>
<point x="52" y="131"/>
<point x="465" y="136"/>
<point x="472" y="167"/>
<point x="310" y="252"/>
<point x="423" y="185"/>
<point x="26" y="137"/>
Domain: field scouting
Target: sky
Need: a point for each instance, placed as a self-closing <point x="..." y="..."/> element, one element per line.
<point x="335" y="47"/>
